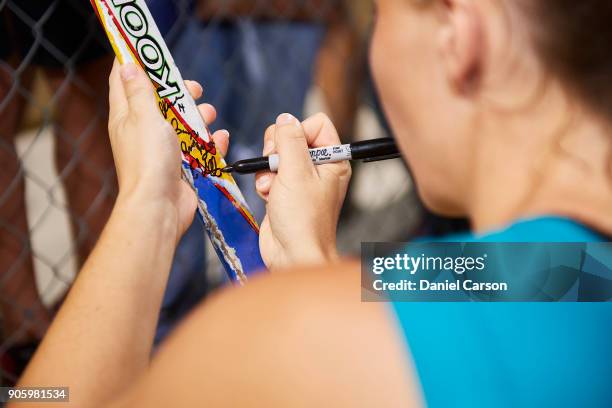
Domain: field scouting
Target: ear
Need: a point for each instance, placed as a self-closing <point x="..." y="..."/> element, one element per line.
<point x="461" y="43"/>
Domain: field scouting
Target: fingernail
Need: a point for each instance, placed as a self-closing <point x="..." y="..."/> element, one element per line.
<point x="263" y="182"/>
<point x="287" y="119"/>
<point x="225" y="132"/>
<point x="268" y="147"/>
<point x="128" y="71"/>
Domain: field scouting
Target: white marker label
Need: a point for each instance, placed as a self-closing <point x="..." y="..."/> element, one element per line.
<point x="321" y="155"/>
<point x="330" y="154"/>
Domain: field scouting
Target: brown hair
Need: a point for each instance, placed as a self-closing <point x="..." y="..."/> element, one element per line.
<point x="574" y="40"/>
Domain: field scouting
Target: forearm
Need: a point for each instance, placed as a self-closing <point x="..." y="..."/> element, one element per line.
<point x="102" y="337"/>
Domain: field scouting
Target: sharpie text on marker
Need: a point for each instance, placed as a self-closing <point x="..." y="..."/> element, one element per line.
<point x="367" y="150"/>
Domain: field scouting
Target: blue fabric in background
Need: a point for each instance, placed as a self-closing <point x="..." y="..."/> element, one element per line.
<point x="513" y="354"/>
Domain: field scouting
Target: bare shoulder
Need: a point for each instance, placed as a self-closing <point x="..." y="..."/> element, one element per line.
<point x="293" y="338"/>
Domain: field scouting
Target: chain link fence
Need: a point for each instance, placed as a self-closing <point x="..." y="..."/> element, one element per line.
<point x="255" y="59"/>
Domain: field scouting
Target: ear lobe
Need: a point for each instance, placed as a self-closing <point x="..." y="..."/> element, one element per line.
<point x="461" y="44"/>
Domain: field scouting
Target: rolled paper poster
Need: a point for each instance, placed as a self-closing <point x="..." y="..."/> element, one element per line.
<point x="231" y="227"/>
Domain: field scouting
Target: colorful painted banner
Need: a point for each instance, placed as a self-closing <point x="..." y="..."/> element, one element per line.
<point x="232" y="229"/>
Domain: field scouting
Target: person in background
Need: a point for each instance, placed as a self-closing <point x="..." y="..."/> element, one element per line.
<point x="505" y="119"/>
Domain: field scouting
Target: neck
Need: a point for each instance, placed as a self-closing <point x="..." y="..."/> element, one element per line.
<point x="569" y="176"/>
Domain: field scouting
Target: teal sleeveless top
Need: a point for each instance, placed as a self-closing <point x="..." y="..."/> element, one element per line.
<point x="513" y="354"/>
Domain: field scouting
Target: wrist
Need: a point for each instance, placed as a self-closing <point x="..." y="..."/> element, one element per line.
<point x="155" y="215"/>
<point x="315" y="254"/>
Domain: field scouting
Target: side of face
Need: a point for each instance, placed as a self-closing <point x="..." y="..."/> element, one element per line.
<point x="417" y="85"/>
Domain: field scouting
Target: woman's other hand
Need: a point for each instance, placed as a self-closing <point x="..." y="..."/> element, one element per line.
<point x="303" y="200"/>
<point x="146" y="149"/>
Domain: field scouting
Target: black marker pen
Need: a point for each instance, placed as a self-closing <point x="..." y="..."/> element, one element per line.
<point x="367" y="150"/>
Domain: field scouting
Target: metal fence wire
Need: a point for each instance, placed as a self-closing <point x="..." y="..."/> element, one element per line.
<point x="255" y="59"/>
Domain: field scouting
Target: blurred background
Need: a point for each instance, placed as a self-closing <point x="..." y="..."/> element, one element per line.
<point x="255" y="58"/>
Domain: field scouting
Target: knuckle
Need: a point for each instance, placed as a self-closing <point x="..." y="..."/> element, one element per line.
<point x="346" y="168"/>
<point x="324" y="125"/>
<point x="323" y="120"/>
<point x="115" y="130"/>
<point x="139" y="89"/>
<point x="322" y="117"/>
<point x="137" y="93"/>
<point x="290" y="132"/>
<point x="114" y="123"/>
<point x="137" y="116"/>
<point x="348" y="172"/>
<point x="341" y="172"/>
<point x="269" y="131"/>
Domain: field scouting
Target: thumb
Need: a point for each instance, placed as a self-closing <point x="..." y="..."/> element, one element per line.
<point x="138" y="89"/>
<point x="292" y="148"/>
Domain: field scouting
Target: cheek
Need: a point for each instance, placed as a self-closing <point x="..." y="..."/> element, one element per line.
<point x="405" y="68"/>
<point x="377" y="54"/>
<point x="386" y="64"/>
<point x="395" y="69"/>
